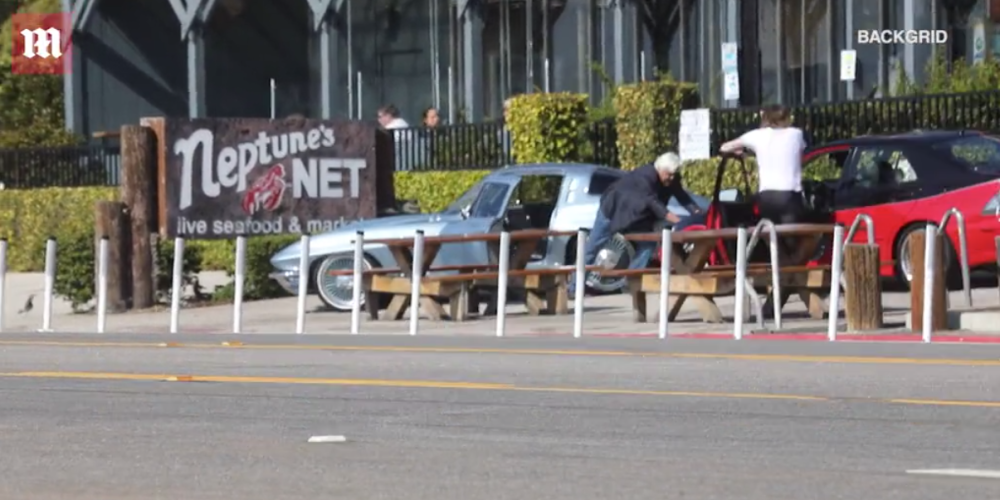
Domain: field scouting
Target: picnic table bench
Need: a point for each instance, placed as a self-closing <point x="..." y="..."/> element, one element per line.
<point x="692" y="280"/>
<point x="458" y="286"/>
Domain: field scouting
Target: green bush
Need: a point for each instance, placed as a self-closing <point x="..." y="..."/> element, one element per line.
<point x="648" y="118"/>
<point x="257" y="285"/>
<point x="29" y="217"/>
<point x="435" y="190"/>
<point x="76" y="268"/>
<point x="699" y="176"/>
<point x="164" y="268"/>
<point x="548" y="127"/>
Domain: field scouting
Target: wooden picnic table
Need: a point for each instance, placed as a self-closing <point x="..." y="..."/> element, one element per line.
<point x="399" y="285"/>
<point x="693" y="280"/>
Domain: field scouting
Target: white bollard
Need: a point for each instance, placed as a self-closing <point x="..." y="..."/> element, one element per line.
<point x="930" y="239"/>
<point x="178" y="286"/>
<point x="418" y="262"/>
<point x="581" y="282"/>
<point x="102" y="285"/>
<point x="775" y="276"/>
<point x="3" y="278"/>
<point x="359" y="271"/>
<point x="300" y="316"/>
<point x="239" y="280"/>
<point x="667" y="246"/>
<point x="741" y="279"/>
<point x="502" y="283"/>
<point x="837" y="270"/>
<point x="50" y="283"/>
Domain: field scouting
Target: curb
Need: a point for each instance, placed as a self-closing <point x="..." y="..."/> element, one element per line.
<point x="809" y="337"/>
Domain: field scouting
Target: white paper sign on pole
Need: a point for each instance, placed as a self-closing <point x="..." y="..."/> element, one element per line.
<point x="732" y="87"/>
<point x="730" y="57"/>
<point x="848" y="65"/>
<point x="695" y="135"/>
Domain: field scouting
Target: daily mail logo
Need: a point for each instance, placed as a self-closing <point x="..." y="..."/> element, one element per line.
<point x="41" y="44"/>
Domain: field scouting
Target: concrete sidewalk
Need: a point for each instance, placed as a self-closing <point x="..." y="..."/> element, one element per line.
<point x="604" y="315"/>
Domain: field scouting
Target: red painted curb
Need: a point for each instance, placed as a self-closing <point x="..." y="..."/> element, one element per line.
<point x="812" y="337"/>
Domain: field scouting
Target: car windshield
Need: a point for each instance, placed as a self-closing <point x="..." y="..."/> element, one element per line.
<point x="980" y="153"/>
<point x="464" y="201"/>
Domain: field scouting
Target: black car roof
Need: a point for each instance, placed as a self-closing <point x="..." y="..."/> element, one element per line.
<point x="926" y="136"/>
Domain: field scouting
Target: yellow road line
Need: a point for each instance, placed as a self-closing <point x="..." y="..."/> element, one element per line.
<point x="427" y="384"/>
<point x="539" y="352"/>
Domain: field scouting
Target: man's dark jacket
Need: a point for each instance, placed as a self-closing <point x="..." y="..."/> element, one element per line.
<point x="638" y="201"/>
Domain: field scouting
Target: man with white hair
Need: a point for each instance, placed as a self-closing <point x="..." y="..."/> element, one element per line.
<point x="637" y="203"/>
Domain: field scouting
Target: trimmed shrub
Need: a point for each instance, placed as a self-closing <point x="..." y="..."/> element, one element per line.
<point x="257" y="284"/>
<point x="76" y="269"/>
<point x="548" y="127"/>
<point x="699" y="176"/>
<point x="435" y="190"/>
<point x="29" y="217"/>
<point x="648" y="117"/>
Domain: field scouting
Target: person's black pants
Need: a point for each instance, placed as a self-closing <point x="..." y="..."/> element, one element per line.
<point x="782" y="207"/>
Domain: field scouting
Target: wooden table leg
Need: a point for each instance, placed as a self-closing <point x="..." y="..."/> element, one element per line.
<point x="557" y="297"/>
<point x="434" y="310"/>
<point x="640" y="302"/>
<point x="459" y="303"/>
<point x="397" y="307"/>
<point x="534" y="301"/>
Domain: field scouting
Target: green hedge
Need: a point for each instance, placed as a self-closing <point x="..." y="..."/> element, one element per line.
<point x="548" y="127"/>
<point x="648" y="116"/>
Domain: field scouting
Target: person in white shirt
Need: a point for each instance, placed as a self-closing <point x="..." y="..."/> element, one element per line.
<point x="778" y="147"/>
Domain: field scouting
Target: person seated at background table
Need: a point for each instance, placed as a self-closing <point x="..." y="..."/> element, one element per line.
<point x="637" y="203"/>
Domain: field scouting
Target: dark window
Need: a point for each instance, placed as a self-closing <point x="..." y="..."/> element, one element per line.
<point x="599" y="183"/>
<point x="981" y="154"/>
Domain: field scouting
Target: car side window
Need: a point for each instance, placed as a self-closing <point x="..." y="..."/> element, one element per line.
<point x="537" y="190"/>
<point x="883" y="167"/>
<point x="599" y="183"/>
<point x="491" y="201"/>
<point x="826" y="166"/>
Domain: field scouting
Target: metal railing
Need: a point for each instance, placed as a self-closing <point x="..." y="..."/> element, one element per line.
<point x="486" y="146"/>
<point x="825" y="122"/>
<point x="775" y="272"/>
<point x="63" y="166"/>
<point x="869" y="225"/>
<point x="963" y="249"/>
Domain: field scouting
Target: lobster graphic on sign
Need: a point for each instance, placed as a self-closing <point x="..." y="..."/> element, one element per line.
<point x="266" y="192"/>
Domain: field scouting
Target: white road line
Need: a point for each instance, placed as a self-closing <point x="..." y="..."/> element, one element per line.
<point x="327" y="439"/>
<point x="983" y="474"/>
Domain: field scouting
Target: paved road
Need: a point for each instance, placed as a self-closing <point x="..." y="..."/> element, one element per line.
<point x="467" y="419"/>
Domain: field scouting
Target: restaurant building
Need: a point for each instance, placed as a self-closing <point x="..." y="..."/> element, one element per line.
<point x="345" y="58"/>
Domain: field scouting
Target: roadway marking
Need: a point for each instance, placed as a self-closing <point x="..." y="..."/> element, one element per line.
<point x="981" y="474"/>
<point x="428" y="384"/>
<point x="533" y="352"/>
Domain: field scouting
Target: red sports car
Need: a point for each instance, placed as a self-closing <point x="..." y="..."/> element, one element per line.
<point x="900" y="181"/>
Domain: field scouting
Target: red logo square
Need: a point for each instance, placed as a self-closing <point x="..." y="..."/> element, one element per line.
<point x="41" y="44"/>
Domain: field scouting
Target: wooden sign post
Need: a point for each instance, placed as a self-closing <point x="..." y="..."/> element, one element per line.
<point x="863" y="288"/>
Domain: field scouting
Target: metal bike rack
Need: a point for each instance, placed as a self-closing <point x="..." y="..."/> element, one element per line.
<point x="869" y="226"/>
<point x="963" y="249"/>
<point x="775" y="275"/>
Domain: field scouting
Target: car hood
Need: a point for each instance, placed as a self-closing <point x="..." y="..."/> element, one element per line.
<point x="342" y="238"/>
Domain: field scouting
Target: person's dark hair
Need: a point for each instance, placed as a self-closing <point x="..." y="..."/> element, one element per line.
<point x="389" y="110"/>
<point x="776" y="115"/>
